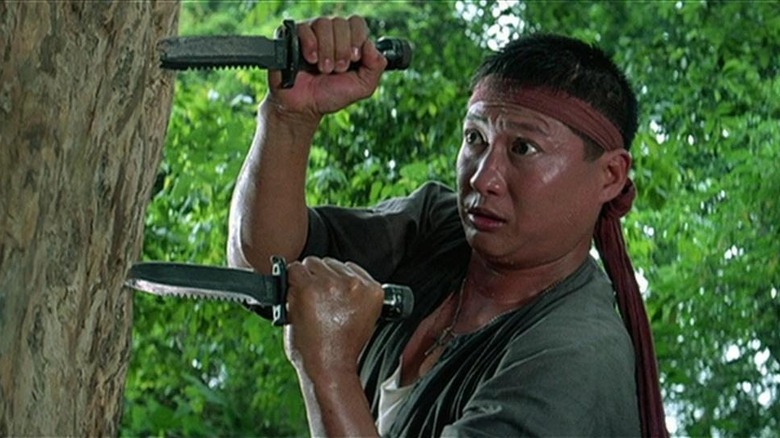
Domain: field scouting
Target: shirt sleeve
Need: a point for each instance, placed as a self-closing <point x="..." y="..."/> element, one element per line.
<point x="379" y="237"/>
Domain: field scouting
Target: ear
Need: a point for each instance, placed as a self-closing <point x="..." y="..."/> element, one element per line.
<point x="614" y="167"/>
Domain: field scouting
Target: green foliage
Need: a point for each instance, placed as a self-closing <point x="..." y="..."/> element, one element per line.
<point x="702" y="232"/>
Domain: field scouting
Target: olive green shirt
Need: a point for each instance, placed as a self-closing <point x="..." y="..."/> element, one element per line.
<point x="561" y="365"/>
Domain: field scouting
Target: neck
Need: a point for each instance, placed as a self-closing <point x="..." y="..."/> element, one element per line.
<point x="491" y="290"/>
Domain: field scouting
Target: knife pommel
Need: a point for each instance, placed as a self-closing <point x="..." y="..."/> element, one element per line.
<point x="398" y="302"/>
<point x="397" y="51"/>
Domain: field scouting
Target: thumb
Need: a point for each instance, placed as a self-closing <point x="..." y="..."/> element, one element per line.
<point x="373" y="64"/>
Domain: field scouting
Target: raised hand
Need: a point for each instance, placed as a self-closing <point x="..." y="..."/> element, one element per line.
<point x="332" y="44"/>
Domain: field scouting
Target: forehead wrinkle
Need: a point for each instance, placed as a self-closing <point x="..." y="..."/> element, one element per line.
<point x="539" y="125"/>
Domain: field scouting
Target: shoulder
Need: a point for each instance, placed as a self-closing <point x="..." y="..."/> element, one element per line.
<point x="581" y="323"/>
<point x="430" y="195"/>
<point x="430" y="213"/>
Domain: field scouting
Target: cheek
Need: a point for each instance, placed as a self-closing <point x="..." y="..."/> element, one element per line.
<point x="581" y="191"/>
<point x="556" y="192"/>
<point x="463" y="168"/>
<point x="554" y="171"/>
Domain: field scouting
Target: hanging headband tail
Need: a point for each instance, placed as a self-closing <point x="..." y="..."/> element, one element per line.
<point x="609" y="242"/>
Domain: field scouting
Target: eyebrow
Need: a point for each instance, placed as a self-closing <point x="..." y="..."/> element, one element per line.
<point x="512" y="124"/>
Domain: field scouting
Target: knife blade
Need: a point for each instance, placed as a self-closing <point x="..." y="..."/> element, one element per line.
<point x="282" y="53"/>
<point x="243" y="286"/>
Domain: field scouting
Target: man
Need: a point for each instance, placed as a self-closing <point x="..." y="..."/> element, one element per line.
<point x="515" y="330"/>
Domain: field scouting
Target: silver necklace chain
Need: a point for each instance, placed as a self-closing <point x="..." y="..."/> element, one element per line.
<point x="447" y="334"/>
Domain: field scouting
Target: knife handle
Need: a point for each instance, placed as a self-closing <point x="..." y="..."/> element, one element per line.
<point x="397" y="303"/>
<point x="398" y="53"/>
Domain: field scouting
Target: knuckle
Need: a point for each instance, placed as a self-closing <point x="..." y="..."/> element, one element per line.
<point x="318" y="22"/>
<point x="310" y="261"/>
<point x="354" y="267"/>
<point x="339" y="21"/>
<point x="322" y="26"/>
<point x="356" y="20"/>
<point x="306" y="36"/>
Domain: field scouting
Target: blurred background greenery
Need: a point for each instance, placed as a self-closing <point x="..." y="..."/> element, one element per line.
<point x="703" y="232"/>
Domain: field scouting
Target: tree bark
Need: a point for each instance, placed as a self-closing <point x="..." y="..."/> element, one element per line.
<point x="83" y="113"/>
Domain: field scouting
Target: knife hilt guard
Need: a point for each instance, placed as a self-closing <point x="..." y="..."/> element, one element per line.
<point x="279" y="271"/>
<point x="294" y="58"/>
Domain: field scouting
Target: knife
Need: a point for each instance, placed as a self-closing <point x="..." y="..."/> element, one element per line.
<point x="258" y="292"/>
<point x="282" y="53"/>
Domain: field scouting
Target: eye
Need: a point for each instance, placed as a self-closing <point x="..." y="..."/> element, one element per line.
<point x="524" y="147"/>
<point x="472" y="137"/>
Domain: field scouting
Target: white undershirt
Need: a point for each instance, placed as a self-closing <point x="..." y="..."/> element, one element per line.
<point x="391" y="398"/>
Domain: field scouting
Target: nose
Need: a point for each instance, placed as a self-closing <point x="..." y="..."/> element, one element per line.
<point x="488" y="179"/>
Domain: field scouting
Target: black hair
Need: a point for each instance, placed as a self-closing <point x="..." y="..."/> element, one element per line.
<point x="566" y="64"/>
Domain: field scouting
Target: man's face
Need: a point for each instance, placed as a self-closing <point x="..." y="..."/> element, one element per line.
<point x="526" y="196"/>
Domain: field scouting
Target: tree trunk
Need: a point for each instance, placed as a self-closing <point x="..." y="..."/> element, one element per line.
<point x="83" y="113"/>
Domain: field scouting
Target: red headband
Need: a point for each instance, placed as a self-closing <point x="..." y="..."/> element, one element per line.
<point x="608" y="235"/>
<point x="573" y="112"/>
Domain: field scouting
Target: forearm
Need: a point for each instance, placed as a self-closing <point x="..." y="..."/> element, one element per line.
<point x="268" y="212"/>
<point x="336" y="406"/>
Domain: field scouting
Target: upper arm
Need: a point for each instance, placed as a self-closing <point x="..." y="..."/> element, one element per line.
<point x="378" y="238"/>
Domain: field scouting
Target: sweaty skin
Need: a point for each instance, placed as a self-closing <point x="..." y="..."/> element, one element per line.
<point x="334" y="294"/>
<point x="268" y="217"/>
<point x="528" y="201"/>
<point x="268" y="210"/>
<point x="522" y="179"/>
<point x="527" y="198"/>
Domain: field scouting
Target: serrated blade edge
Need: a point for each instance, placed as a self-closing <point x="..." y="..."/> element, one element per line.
<point x="189" y="292"/>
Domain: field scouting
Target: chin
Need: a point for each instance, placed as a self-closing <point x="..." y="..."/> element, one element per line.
<point x="488" y="247"/>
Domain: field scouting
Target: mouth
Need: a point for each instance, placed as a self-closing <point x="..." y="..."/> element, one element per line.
<point x="484" y="219"/>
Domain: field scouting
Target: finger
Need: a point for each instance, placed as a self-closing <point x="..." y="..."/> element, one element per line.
<point x="373" y="65"/>
<point x="342" y="44"/>
<point x="313" y="264"/>
<point x="323" y="270"/>
<point x="297" y="268"/>
<point x="323" y="28"/>
<point x="308" y="42"/>
<point x="344" y="277"/>
<point x="359" y="271"/>
<point x="359" y="34"/>
<point x="298" y="276"/>
<point x="336" y="266"/>
<point x="366" y="279"/>
<point x="373" y="60"/>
